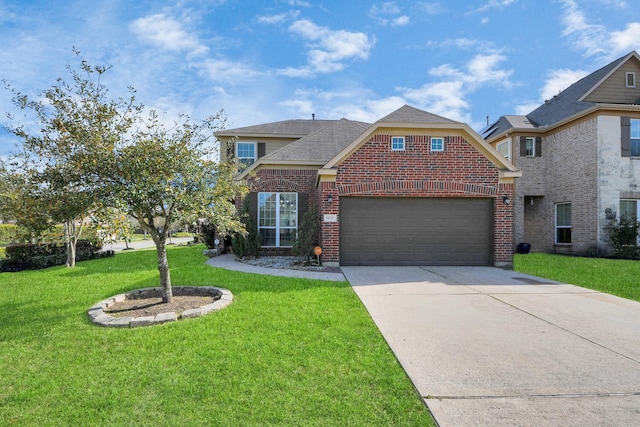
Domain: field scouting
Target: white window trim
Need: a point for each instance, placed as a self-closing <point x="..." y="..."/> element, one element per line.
<point x="255" y="150"/>
<point x="436" y="150"/>
<point x="277" y="227"/>
<point x="556" y="226"/>
<point x="398" y="138"/>
<point x="632" y="75"/>
<point x="508" y="143"/>
<point x="533" y="146"/>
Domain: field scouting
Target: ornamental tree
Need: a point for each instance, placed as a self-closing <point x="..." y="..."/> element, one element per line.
<point x="165" y="176"/>
<point x="77" y="126"/>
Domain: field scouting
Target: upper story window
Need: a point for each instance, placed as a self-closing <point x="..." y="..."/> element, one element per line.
<point x="635" y="137"/>
<point x="504" y="148"/>
<point x="397" y="143"/>
<point x="437" y="143"/>
<point x="563" y="223"/>
<point x="630" y="77"/>
<point x="530" y="147"/>
<point x="246" y="152"/>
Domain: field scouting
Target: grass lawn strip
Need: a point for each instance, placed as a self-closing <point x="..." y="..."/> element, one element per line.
<point x="613" y="276"/>
<point x="286" y="352"/>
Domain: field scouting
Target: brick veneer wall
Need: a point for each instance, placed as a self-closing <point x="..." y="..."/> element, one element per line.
<point x="571" y="175"/>
<point x="285" y="180"/>
<point x="459" y="171"/>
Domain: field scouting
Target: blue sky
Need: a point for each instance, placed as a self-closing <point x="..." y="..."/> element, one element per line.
<point x="283" y="59"/>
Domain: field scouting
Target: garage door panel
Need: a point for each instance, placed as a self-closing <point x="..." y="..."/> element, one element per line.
<point x="416" y="231"/>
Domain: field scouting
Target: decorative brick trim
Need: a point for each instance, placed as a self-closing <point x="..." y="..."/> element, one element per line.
<point x="451" y="188"/>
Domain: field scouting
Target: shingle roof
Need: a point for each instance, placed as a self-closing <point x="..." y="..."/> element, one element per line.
<point x="409" y="114"/>
<point x="286" y="128"/>
<point x="505" y="123"/>
<point x="567" y="103"/>
<point x="562" y="106"/>
<point x="320" y="146"/>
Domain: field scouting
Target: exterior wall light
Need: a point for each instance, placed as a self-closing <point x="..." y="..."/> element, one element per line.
<point x="330" y="199"/>
<point x="506" y="200"/>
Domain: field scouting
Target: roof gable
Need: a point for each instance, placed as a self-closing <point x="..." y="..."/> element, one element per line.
<point x="432" y="123"/>
<point x="573" y="100"/>
<point x="409" y="114"/>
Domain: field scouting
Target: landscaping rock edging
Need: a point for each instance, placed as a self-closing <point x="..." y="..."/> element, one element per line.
<point x="98" y="316"/>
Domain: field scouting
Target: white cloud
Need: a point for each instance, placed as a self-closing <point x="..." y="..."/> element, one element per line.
<point x="388" y="14"/>
<point x="279" y="18"/>
<point x="168" y="33"/>
<point x="447" y="97"/>
<point x="597" y="40"/>
<point x="429" y="8"/>
<point x="556" y="82"/>
<point x="223" y="70"/>
<point x="625" y="41"/>
<point x="493" y="4"/>
<point x="328" y="48"/>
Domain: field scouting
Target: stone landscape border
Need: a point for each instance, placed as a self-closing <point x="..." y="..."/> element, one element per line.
<point x="97" y="315"/>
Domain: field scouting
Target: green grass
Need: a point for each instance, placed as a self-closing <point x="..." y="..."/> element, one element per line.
<point x="613" y="276"/>
<point x="286" y="352"/>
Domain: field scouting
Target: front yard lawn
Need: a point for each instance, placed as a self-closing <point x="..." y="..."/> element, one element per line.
<point x="613" y="276"/>
<point x="286" y="352"/>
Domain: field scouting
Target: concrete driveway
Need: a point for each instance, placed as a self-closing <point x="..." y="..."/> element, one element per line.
<point x="490" y="347"/>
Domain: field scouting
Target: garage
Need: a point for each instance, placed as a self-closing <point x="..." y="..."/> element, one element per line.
<point x="416" y="231"/>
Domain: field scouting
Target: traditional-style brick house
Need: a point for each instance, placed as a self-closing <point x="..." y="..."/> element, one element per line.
<point x="411" y="189"/>
<point x="579" y="154"/>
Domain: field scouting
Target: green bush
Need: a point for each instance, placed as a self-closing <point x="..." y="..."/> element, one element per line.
<point x="36" y="256"/>
<point x="308" y="234"/>
<point x="624" y="238"/>
<point x="3" y="252"/>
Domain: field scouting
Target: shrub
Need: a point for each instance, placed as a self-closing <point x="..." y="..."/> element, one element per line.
<point x="624" y="238"/>
<point x="36" y="256"/>
<point x="8" y="233"/>
<point x="308" y="234"/>
<point x="247" y="244"/>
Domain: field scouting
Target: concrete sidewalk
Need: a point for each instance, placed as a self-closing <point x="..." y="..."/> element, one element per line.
<point x="145" y="244"/>
<point x="491" y="347"/>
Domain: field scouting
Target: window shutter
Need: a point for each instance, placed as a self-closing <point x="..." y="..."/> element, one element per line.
<point x="538" y="146"/>
<point x="625" y="123"/>
<point x="253" y="206"/>
<point x="303" y="206"/>
<point x="523" y="146"/>
<point x="261" y="149"/>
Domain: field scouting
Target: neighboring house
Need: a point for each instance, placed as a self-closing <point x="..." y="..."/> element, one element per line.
<point x="579" y="154"/>
<point x="411" y="189"/>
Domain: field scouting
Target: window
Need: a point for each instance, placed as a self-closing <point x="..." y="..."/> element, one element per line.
<point x="246" y="152"/>
<point x="437" y="144"/>
<point x="629" y="209"/>
<point x="530" y="147"/>
<point x="504" y="148"/>
<point x="630" y="79"/>
<point x="563" y="223"/>
<point x="277" y="218"/>
<point x="397" y="143"/>
<point x="635" y="137"/>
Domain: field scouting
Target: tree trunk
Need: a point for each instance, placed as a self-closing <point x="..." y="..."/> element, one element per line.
<point x="165" y="275"/>
<point x="70" y="240"/>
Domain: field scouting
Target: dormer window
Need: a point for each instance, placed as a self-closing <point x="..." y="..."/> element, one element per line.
<point x="630" y="79"/>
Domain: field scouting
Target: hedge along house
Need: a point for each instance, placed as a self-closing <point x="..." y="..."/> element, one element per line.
<point x="411" y="189"/>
